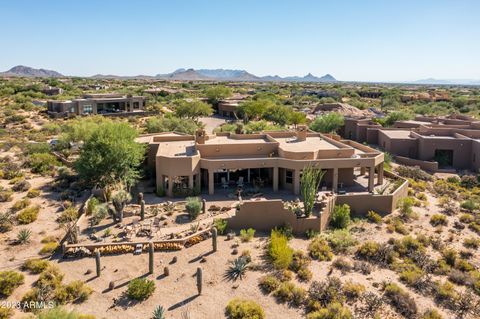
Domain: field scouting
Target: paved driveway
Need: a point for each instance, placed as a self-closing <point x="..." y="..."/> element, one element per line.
<point x="211" y="122"/>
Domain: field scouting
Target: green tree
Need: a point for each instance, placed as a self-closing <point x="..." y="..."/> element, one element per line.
<point x="253" y="109"/>
<point x="111" y="155"/>
<point x="193" y="110"/>
<point x="171" y="123"/>
<point x="278" y="114"/>
<point x="309" y="182"/>
<point x="216" y="93"/>
<point x="296" y="118"/>
<point x="328" y="123"/>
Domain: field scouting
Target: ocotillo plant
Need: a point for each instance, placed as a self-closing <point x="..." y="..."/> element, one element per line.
<point x="142" y="209"/>
<point x="214" y="238"/>
<point x="97" y="262"/>
<point x="199" y="280"/>
<point x="150" y="258"/>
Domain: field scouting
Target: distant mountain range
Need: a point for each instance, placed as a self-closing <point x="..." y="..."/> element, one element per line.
<point x="180" y="74"/>
<point x="447" y="82"/>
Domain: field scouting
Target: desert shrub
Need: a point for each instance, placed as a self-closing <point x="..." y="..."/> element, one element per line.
<point x="332" y="311"/>
<point x="304" y="274"/>
<point x="60" y="313"/>
<point x="342" y="264"/>
<point x="438" y="219"/>
<point x="35" y="266"/>
<point x="414" y="173"/>
<point x="401" y="300"/>
<point x="5" y="312"/>
<point x="50" y="279"/>
<point x="431" y="314"/>
<point x="285" y="230"/>
<point x="20" y="204"/>
<point x="340" y="240"/>
<point x="411" y="274"/>
<point x="32" y="193"/>
<point x="68" y="215"/>
<point x="340" y="216"/>
<point x="42" y="163"/>
<point x="193" y="206"/>
<point x="247" y="234"/>
<point x="279" y="252"/>
<point x="285" y="275"/>
<point x="244" y="309"/>
<point x="269" y="283"/>
<point x="373" y="217"/>
<point x="300" y="260"/>
<point x="353" y="290"/>
<point x="471" y="242"/>
<point x="405" y="207"/>
<point x="475" y="227"/>
<point x="11" y="170"/>
<point x="140" y="289"/>
<point x="48" y="248"/>
<point x="288" y="292"/>
<point x="464" y="265"/>
<point x="467" y="218"/>
<point x="407" y="246"/>
<point x="28" y="215"/>
<point x="320" y="250"/>
<point x="6" y="222"/>
<point x="450" y="256"/>
<point x="469" y="205"/>
<point x="396" y="225"/>
<point x="368" y="250"/>
<point x="77" y="291"/>
<point x="92" y="204"/>
<point x="221" y="225"/>
<point x="323" y="293"/>
<point x="9" y="281"/>
<point x="21" y="185"/>
<point x="5" y="195"/>
<point x="445" y="292"/>
<point x="362" y="267"/>
<point x="469" y="181"/>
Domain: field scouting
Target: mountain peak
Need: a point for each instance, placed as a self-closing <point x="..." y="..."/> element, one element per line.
<point x="26" y="71"/>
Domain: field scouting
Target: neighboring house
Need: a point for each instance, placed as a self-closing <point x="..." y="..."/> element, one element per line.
<point x="431" y="142"/>
<point x="50" y="91"/>
<point x="97" y="104"/>
<point x="272" y="160"/>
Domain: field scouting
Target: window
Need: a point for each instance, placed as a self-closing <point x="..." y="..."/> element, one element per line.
<point x="72" y="109"/>
<point x="289" y="177"/>
<point x="87" y="109"/>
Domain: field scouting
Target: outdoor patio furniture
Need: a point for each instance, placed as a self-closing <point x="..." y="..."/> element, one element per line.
<point x="224" y="183"/>
<point x="138" y="249"/>
<point x="240" y="181"/>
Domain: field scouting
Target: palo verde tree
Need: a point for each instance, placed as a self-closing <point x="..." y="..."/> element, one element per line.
<point x="110" y="155"/>
<point x="328" y="123"/>
<point x="216" y="93"/>
<point x="309" y="182"/>
<point x="193" y="110"/>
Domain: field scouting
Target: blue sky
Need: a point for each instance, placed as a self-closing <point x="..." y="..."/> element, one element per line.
<point x="353" y="40"/>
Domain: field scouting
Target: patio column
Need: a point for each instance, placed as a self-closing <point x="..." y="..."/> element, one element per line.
<point x="380" y="174"/>
<point x="362" y="171"/>
<point x="275" y="179"/>
<point x="371" y="176"/>
<point x="210" y="182"/>
<point x="335" y="180"/>
<point x="170" y="186"/>
<point x="190" y="181"/>
<point x="296" y="181"/>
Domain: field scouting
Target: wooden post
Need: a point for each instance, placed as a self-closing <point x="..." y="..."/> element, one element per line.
<point x="204" y="206"/>
<point x="142" y="209"/>
<point x="199" y="280"/>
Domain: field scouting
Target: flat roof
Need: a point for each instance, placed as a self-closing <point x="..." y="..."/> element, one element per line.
<point x="177" y="148"/>
<point x="311" y="144"/>
<point x="404" y="134"/>
<point x="230" y="140"/>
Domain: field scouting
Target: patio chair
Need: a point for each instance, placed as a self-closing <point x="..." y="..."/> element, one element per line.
<point x="224" y="183"/>
<point x="240" y="181"/>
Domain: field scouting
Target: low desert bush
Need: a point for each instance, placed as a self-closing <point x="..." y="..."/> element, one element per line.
<point x="9" y="281"/>
<point x="467" y="218"/>
<point x="340" y="216"/>
<point x="68" y="215"/>
<point x="304" y="274"/>
<point x="20" y="204"/>
<point x="28" y="215"/>
<point x="471" y="242"/>
<point x="334" y="310"/>
<point x="221" y="225"/>
<point x="445" y="293"/>
<point x="140" y="289"/>
<point x="35" y="266"/>
<point x="401" y="300"/>
<point x="353" y="290"/>
<point x="288" y="292"/>
<point x="32" y="193"/>
<point x="48" y="248"/>
<point x="193" y="206"/>
<point x="414" y="173"/>
<point x="269" y="283"/>
<point x="368" y="250"/>
<point x="323" y="293"/>
<point x="342" y="264"/>
<point x="60" y="313"/>
<point x="244" y="309"/>
<point x="431" y="314"/>
<point x="320" y="250"/>
<point x="300" y="260"/>
<point x="411" y="274"/>
<point x="340" y="240"/>
<point x="247" y="235"/>
<point x="279" y="252"/>
<point x="5" y="195"/>
<point x="77" y="291"/>
<point x="438" y="219"/>
<point x="5" y="312"/>
<point x="42" y="163"/>
<point x="374" y="217"/>
<point x="21" y="185"/>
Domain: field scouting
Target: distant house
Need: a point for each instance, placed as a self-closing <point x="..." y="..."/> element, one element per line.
<point x="50" y="91"/>
<point x="97" y="104"/>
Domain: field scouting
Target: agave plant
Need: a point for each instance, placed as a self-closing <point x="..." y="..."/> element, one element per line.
<point x="159" y="313"/>
<point x="237" y="268"/>
<point x="23" y="236"/>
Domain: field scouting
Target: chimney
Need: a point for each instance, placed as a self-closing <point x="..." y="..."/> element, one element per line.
<point x="301" y="133"/>
<point x="200" y="136"/>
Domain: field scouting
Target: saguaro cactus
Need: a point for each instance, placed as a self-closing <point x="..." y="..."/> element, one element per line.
<point x="214" y="238"/>
<point x="199" y="280"/>
<point x="204" y="206"/>
<point x="97" y="262"/>
<point x="150" y="258"/>
<point x="142" y="209"/>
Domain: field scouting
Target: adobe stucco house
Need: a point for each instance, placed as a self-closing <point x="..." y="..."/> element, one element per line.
<point x="430" y="142"/>
<point x="96" y="104"/>
<point x="270" y="160"/>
